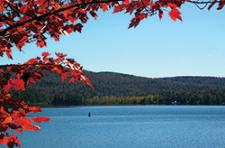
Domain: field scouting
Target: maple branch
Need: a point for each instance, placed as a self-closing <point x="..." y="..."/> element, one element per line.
<point x="203" y="2"/>
<point x="37" y="64"/>
<point x="20" y="65"/>
<point x="13" y="8"/>
<point x="146" y="10"/>
<point x="7" y="65"/>
<point x="201" y="8"/>
<point x="2" y="33"/>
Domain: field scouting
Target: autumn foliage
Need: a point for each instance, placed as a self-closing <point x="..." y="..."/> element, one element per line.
<point x="13" y="111"/>
<point x="26" y="21"/>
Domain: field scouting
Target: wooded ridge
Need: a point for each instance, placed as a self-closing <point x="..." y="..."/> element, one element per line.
<point x="117" y="88"/>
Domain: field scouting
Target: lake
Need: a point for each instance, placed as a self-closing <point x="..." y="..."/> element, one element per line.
<point x="131" y="127"/>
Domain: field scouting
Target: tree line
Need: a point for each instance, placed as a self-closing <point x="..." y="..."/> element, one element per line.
<point x="115" y="89"/>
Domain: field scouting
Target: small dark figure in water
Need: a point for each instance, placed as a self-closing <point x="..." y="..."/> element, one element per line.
<point x="89" y="114"/>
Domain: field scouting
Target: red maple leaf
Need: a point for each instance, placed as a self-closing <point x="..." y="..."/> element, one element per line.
<point x="174" y="13"/>
<point x="45" y="54"/>
<point x="18" y="84"/>
<point x="41" y="43"/>
<point x="41" y="119"/>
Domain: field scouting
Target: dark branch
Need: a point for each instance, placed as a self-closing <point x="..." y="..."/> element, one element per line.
<point x="2" y="33"/>
<point x="203" y="2"/>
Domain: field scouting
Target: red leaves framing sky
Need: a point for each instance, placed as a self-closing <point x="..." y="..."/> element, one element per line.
<point x="26" y="21"/>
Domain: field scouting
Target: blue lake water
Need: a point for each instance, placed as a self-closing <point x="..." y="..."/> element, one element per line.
<point x="131" y="127"/>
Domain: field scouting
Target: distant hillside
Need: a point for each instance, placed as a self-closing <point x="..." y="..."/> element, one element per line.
<point x="117" y="88"/>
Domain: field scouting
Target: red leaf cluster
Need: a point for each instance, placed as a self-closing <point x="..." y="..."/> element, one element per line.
<point x="10" y="141"/>
<point x="13" y="111"/>
<point x="174" y="13"/>
<point x="30" y="21"/>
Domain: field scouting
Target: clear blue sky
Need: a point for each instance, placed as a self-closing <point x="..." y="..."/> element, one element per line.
<point x="194" y="47"/>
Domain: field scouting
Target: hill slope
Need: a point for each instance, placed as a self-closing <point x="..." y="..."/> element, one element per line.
<point x="117" y="88"/>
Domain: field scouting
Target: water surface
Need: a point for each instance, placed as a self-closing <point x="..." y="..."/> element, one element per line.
<point x="131" y="127"/>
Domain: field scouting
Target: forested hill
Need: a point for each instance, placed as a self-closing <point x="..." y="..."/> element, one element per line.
<point x="116" y="88"/>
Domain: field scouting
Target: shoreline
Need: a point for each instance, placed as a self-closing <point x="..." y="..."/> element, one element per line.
<point x="125" y="105"/>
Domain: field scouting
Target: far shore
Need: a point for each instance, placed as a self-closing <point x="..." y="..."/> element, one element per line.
<point x="125" y="105"/>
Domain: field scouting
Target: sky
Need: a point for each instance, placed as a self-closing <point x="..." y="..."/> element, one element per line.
<point x="193" y="47"/>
